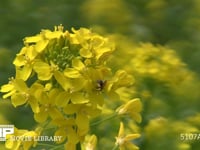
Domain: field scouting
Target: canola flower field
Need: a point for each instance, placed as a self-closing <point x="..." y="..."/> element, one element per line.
<point x="97" y="74"/>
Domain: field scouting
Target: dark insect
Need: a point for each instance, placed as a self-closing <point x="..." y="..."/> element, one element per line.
<point x="100" y="84"/>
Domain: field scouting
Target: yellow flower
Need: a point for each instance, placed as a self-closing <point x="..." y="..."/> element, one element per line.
<point x="24" y="62"/>
<point x="96" y="49"/>
<point x="69" y="81"/>
<point x="44" y="70"/>
<point x="9" y="89"/>
<point x="70" y="145"/>
<point x="47" y="105"/>
<point x="120" y="79"/>
<point x="77" y="69"/>
<point x="68" y="131"/>
<point x="132" y="108"/>
<point x="21" y="94"/>
<point x="124" y="141"/>
<point x="83" y="113"/>
<point x="90" y="142"/>
<point x="64" y="129"/>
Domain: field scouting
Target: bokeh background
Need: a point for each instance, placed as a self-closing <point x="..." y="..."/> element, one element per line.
<point x="161" y="36"/>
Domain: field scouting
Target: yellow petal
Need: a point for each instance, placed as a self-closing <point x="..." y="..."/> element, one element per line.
<point x="78" y="98"/>
<point x="121" y="130"/>
<point x="19" y="60"/>
<point x="59" y="132"/>
<point x="102" y="51"/>
<point x="96" y="99"/>
<point x="55" y="113"/>
<point x="9" y="94"/>
<point x="77" y="64"/>
<point x="24" y="73"/>
<point x="36" y="89"/>
<point x="72" y="73"/>
<point x="34" y="105"/>
<point x="7" y="87"/>
<point x="131" y="146"/>
<point x="97" y="41"/>
<point x="71" y="108"/>
<point x="92" y="142"/>
<point x="43" y="70"/>
<point x="53" y="94"/>
<point x="136" y="116"/>
<point x="52" y="35"/>
<point x="41" y="45"/>
<point x="33" y="39"/>
<point x="43" y="98"/>
<point x="18" y="99"/>
<point x="13" y="145"/>
<point x="82" y="122"/>
<point x="41" y="116"/>
<point x="85" y="53"/>
<point x="72" y="136"/>
<point x="62" y="80"/>
<point x="132" y="106"/>
<point x="78" y="84"/>
<point x="20" y="85"/>
<point x="31" y="52"/>
<point x="70" y="145"/>
<point x="130" y="137"/>
<point x="9" y="144"/>
<point x="62" y="99"/>
<point x="137" y="105"/>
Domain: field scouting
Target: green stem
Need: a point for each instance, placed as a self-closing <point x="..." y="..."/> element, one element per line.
<point x="115" y="147"/>
<point x="57" y="147"/>
<point x="105" y="119"/>
<point x="46" y="123"/>
<point x="42" y="144"/>
<point x="78" y="146"/>
<point x="54" y="147"/>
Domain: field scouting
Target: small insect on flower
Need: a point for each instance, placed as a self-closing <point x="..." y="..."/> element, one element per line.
<point x="100" y="84"/>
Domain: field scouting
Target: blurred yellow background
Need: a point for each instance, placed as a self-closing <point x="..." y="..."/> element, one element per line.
<point x="157" y="41"/>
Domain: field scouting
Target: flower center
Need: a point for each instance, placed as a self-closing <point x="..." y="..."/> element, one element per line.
<point x="61" y="52"/>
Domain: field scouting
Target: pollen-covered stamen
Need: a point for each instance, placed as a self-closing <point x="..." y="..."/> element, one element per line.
<point x="27" y="60"/>
<point x="53" y="68"/>
<point x="58" y="28"/>
<point x="120" y="141"/>
<point x="26" y="95"/>
<point x="47" y="107"/>
<point x="11" y="80"/>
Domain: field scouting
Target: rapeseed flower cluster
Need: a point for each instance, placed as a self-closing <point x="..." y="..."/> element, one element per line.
<point x="123" y="141"/>
<point x="169" y="132"/>
<point x="146" y="60"/>
<point x="159" y="62"/>
<point x="66" y="81"/>
<point x="163" y="81"/>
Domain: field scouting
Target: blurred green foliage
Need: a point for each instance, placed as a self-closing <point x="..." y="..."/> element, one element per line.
<point x="173" y="23"/>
